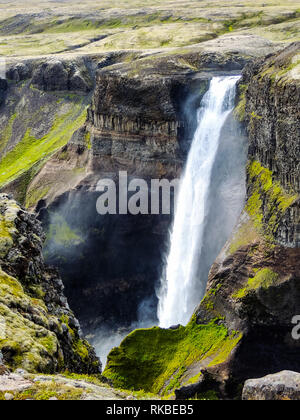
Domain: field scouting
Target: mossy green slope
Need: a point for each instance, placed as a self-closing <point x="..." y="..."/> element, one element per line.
<point x="61" y="233"/>
<point x="263" y="279"/>
<point x="156" y="360"/>
<point x="38" y="332"/>
<point x="30" y="150"/>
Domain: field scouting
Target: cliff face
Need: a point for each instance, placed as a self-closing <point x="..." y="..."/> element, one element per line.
<point x="271" y="113"/>
<point x="39" y="332"/>
<point x="137" y="122"/>
<point x="253" y="288"/>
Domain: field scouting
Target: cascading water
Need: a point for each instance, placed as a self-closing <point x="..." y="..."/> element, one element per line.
<point x="181" y="288"/>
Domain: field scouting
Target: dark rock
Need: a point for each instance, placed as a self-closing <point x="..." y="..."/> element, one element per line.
<point x="175" y="327"/>
<point x="206" y="383"/>
<point x="51" y="76"/>
<point x="19" y="72"/>
<point x="57" y="75"/>
<point x="3" y="89"/>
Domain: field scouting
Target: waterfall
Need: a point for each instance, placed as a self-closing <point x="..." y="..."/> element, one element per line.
<point x="181" y="288"/>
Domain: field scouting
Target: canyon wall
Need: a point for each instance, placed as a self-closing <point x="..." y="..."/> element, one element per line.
<point x="272" y="95"/>
<point x="140" y="117"/>
<point x="244" y="323"/>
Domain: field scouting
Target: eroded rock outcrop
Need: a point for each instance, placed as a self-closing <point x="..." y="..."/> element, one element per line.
<point x="38" y="330"/>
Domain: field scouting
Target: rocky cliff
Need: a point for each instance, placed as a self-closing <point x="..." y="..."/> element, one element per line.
<point x="271" y="113"/>
<point x="39" y="332"/>
<point x="244" y="323"/>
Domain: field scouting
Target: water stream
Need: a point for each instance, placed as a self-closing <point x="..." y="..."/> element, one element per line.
<point x="181" y="288"/>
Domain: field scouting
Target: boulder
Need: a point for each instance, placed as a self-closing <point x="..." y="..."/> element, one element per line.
<point x="284" y="385"/>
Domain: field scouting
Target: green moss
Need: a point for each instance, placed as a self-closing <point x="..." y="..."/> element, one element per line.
<point x="35" y="195"/>
<point x="268" y="200"/>
<point x="92" y="379"/>
<point x="9" y="285"/>
<point x="29" y="151"/>
<point x="6" y="239"/>
<point x="50" y="343"/>
<point x="240" y="110"/>
<point x="45" y="391"/>
<point x="255" y="116"/>
<point x="156" y="359"/>
<point x="80" y="347"/>
<point x="227" y="347"/>
<point x="263" y="279"/>
<point x="61" y="233"/>
<point x="88" y="140"/>
<point x="193" y="379"/>
<point x="24" y="344"/>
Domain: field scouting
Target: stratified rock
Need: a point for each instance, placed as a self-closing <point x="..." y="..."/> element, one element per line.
<point x="284" y="385"/>
<point x="270" y="108"/>
<point x="39" y="331"/>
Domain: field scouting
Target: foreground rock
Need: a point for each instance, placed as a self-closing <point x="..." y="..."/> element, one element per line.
<point x="13" y="382"/>
<point x="281" y="386"/>
<point x="39" y="332"/>
<point x="22" y="386"/>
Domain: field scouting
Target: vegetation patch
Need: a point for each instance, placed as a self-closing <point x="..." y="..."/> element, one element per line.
<point x="263" y="279"/>
<point x="45" y="391"/>
<point x="156" y="359"/>
<point x="35" y="195"/>
<point x="29" y="151"/>
<point x="240" y="110"/>
<point x="61" y="233"/>
<point x="24" y="343"/>
<point x="268" y="200"/>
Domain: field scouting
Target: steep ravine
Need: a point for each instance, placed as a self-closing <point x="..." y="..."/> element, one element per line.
<point x="244" y="322"/>
<point x="139" y="117"/>
<point x="112" y="265"/>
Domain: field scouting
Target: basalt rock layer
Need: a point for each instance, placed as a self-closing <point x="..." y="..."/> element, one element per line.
<point x="39" y="332"/>
<point x="270" y="105"/>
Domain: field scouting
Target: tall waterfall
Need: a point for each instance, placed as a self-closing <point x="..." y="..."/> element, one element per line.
<point x="181" y="287"/>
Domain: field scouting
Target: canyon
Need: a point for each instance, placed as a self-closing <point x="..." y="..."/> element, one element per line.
<point x="72" y="118"/>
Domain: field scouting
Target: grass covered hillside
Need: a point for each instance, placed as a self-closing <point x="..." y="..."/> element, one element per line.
<point x="48" y="27"/>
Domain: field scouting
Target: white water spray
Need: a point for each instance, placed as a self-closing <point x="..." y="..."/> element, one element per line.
<point x="181" y="287"/>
